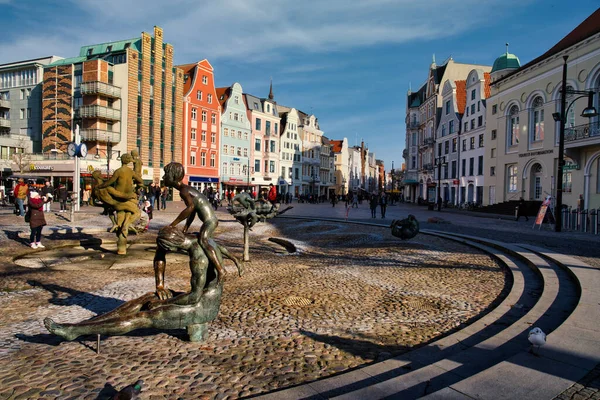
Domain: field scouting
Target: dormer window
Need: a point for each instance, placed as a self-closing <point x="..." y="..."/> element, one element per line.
<point x="108" y="49"/>
<point x="90" y="52"/>
<point x="127" y="45"/>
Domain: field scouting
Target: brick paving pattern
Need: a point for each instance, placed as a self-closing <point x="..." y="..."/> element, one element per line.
<point x="352" y="295"/>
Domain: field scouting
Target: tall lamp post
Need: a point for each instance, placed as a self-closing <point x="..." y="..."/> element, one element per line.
<point x="440" y="160"/>
<point x="393" y="173"/>
<point x="561" y="117"/>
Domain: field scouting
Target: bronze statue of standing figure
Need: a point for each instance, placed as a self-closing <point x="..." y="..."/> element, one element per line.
<point x="121" y="198"/>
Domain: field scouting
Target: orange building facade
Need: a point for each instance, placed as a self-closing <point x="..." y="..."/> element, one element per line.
<point x="201" y="126"/>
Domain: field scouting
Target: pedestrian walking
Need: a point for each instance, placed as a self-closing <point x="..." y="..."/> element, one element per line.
<point x="21" y="192"/>
<point x="157" y="193"/>
<point x="37" y="221"/>
<point x="272" y="196"/>
<point x="163" y="197"/>
<point x="522" y="210"/>
<point x="355" y="201"/>
<point x="383" y="204"/>
<point x="63" y="196"/>
<point x="373" y="204"/>
<point x="48" y="192"/>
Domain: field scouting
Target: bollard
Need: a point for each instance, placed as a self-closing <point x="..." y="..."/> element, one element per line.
<point x="583" y="219"/>
<point x="566" y="217"/>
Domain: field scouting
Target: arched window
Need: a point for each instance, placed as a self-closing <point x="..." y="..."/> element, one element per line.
<point x="512" y="178"/>
<point x="513" y="126"/>
<point x="537" y="120"/>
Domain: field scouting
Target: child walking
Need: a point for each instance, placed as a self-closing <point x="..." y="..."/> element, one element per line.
<point x="36" y="219"/>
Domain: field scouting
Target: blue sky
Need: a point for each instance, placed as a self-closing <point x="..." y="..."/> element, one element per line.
<point x="349" y="62"/>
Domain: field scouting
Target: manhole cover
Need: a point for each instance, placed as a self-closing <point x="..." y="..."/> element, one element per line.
<point x="296" y="301"/>
<point x="421" y="304"/>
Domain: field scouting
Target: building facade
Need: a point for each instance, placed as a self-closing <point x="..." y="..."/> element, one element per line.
<point x="341" y="167"/>
<point x="311" y="137"/>
<point x="21" y="109"/>
<point x="108" y="91"/>
<point x="522" y="132"/>
<point x="201" y="131"/>
<point x="265" y="150"/>
<point x="291" y="151"/>
<point x="236" y="133"/>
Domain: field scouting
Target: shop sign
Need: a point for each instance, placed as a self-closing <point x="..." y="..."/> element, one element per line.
<point x="536" y="153"/>
<point x="455" y="182"/>
<point x="33" y="167"/>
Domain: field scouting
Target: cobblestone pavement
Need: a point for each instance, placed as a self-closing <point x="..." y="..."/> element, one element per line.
<point x="352" y="295"/>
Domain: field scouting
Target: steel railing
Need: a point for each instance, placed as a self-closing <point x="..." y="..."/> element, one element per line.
<point x="577" y="220"/>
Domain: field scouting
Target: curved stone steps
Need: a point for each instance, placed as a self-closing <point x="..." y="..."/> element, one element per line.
<point x="461" y="365"/>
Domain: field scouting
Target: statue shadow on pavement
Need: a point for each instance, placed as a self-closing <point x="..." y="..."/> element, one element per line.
<point x="64" y="296"/>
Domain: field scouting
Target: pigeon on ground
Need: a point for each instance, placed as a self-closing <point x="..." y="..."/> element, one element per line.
<point x="537" y="338"/>
<point x="130" y="392"/>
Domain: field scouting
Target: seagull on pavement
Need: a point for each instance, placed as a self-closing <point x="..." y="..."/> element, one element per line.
<point x="536" y="337"/>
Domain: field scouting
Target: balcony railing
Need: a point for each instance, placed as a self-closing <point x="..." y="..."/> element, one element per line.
<point x="95" y="111"/>
<point x="413" y="125"/>
<point x="428" y="141"/>
<point x="4" y="103"/>
<point x="581" y="132"/>
<point x="100" y="135"/>
<point x="103" y="88"/>
<point x="4" y="123"/>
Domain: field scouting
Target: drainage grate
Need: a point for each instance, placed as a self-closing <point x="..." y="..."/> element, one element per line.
<point x="296" y="301"/>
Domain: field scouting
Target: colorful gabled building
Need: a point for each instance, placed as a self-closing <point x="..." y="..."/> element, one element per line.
<point x="235" y="139"/>
<point x="201" y="126"/>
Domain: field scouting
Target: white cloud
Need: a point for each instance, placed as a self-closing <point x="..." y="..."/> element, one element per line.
<point x="255" y="31"/>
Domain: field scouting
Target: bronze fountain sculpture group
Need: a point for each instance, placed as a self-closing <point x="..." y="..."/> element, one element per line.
<point x="164" y="308"/>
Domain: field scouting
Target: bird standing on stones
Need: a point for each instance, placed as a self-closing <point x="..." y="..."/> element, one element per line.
<point x="129" y="392"/>
<point x="536" y="337"/>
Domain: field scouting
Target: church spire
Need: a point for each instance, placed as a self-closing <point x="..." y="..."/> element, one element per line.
<point x="271" y="90"/>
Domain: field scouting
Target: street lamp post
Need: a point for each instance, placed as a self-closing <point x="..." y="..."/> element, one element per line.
<point x="561" y="117"/>
<point x="440" y="160"/>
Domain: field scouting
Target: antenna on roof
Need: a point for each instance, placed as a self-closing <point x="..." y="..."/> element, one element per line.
<point x="506" y="47"/>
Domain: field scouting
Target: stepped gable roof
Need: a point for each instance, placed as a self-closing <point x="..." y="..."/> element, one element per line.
<point x="589" y="27"/>
<point x="336" y="146"/>
<point x="486" y="85"/>
<point x="461" y="96"/>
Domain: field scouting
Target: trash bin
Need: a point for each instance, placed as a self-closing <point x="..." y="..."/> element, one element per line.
<point x="516" y="212"/>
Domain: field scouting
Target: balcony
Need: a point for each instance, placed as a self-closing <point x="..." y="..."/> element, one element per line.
<point x="405" y="153"/>
<point x="413" y="125"/>
<point x="581" y="133"/>
<point x="4" y="123"/>
<point x="428" y="167"/>
<point x="100" y="135"/>
<point x="95" y="111"/>
<point x="4" y="103"/>
<point x="428" y="141"/>
<point x="102" y="88"/>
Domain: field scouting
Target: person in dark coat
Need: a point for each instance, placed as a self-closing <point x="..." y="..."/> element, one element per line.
<point x="63" y="195"/>
<point x="36" y="219"/>
<point x="522" y="210"/>
<point x="373" y="204"/>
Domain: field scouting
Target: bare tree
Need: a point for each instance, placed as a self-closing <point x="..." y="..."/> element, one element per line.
<point x="22" y="158"/>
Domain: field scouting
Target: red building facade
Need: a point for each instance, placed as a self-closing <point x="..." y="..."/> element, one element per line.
<point x="201" y="126"/>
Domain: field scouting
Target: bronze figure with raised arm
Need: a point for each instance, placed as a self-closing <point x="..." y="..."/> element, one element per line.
<point x="196" y="204"/>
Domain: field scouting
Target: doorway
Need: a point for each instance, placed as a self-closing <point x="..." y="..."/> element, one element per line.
<point x="536" y="190"/>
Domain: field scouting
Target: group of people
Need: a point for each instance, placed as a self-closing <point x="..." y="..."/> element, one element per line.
<point x="155" y="194"/>
<point x="23" y="191"/>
